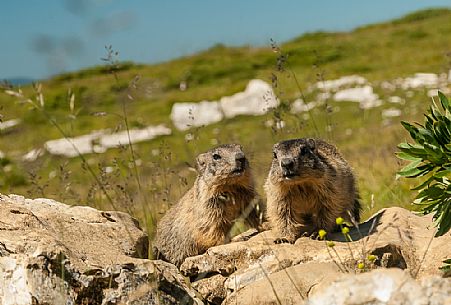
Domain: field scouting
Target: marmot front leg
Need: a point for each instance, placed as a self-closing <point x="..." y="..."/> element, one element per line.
<point x="287" y="229"/>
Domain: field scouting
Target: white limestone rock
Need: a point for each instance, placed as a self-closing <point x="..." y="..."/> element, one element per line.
<point x="391" y="113"/>
<point x="187" y="115"/>
<point x="363" y="95"/>
<point x="33" y="155"/>
<point x="396" y="100"/>
<point x="420" y="80"/>
<point x="6" y="125"/>
<point x="299" y="106"/>
<point x="98" y="142"/>
<point x="136" y="135"/>
<point x="334" y="85"/>
<point x="257" y="99"/>
<point x="72" y="147"/>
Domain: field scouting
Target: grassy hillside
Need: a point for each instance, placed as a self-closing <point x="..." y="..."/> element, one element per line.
<point x="419" y="42"/>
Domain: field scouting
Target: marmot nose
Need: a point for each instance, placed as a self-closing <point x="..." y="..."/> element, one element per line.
<point x="287" y="163"/>
<point x="240" y="160"/>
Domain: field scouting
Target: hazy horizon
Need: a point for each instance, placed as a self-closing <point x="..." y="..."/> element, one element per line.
<point x="41" y="40"/>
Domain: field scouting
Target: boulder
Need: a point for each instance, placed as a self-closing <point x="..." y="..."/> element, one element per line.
<point x="391" y="113"/>
<point x="53" y="253"/>
<point x="384" y="286"/>
<point x="187" y="115"/>
<point x="257" y="99"/>
<point x="6" y="126"/>
<point x="323" y="284"/>
<point x="345" y="81"/>
<point x="363" y="95"/>
<point x="420" y="80"/>
<point x="72" y="147"/>
<point x="395" y="236"/>
<point x="299" y="106"/>
<point x="132" y="136"/>
<point x="97" y="142"/>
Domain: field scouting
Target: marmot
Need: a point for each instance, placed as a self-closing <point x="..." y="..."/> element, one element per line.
<point x="309" y="185"/>
<point x="222" y="191"/>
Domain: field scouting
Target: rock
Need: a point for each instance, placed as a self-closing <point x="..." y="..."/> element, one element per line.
<point x="299" y="106"/>
<point x="391" y="113"/>
<point x="53" y="253"/>
<point x="363" y="95"/>
<point x="386" y="286"/>
<point x="396" y="100"/>
<point x="72" y="147"/>
<point x="334" y="85"/>
<point x="98" y="142"/>
<point x="33" y="155"/>
<point x="397" y="238"/>
<point x="289" y="286"/>
<point x="8" y="125"/>
<point x="388" y="86"/>
<point x="434" y="92"/>
<point x="211" y="288"/>
<point x="257" y="99"/>
<point x="420" y="80"/>
<point x="133" y="136"/>
<point x="187" y="115"/>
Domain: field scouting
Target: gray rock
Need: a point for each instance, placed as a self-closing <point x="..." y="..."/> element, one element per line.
<point x="396" y="237"/>
<point x="187" y="115"/>
<point x="363" y="95"/>
<point x="53" y="253"/>
<point x="384" y="287"/>
<point x="420" y="80"/>
<point x="132" y="136"/>
<point x="5" y="126"/>
<point x="345" y="81"/>
<point x="257" y="99"/>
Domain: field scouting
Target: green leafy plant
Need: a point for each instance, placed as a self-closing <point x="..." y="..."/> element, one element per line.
<point x="430" y="158"/>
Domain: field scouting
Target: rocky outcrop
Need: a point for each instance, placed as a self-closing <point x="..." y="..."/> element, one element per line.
<point x="98" y="141"/>
<point x="188" y="115"/>
<point x="320" y="284"/>
<point x="257" y="99"/>
<point x="395" y="237"/>
<point x="52" y="253"/>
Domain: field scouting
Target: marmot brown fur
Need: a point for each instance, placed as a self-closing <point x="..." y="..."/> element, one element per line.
<point x="223" y="191"/>
<point x="309" y="185"/>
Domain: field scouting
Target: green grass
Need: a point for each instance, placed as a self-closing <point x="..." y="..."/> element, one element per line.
<point x="415" y="43"/>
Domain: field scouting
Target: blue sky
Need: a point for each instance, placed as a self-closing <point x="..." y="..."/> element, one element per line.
<point x="39" y="38"/>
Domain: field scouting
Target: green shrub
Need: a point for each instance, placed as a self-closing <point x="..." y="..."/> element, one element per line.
<point x="430" y="158"/>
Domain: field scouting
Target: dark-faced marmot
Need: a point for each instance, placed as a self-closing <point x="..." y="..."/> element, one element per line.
<point x="222" y="192"/>
<point x="309" y="185"/>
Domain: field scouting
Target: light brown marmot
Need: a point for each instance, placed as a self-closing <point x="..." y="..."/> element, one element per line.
<point x="222" y="192"/>
<point x="309" y="185"/>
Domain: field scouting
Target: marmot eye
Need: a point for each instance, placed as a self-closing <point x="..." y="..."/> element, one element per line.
<point x="274" y="155"/>
<point x="304" y="150"/>
<point x="216" y="157"/>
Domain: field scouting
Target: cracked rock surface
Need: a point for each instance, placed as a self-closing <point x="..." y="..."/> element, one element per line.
<point x="53" y="253"/>
<point x="258" y="271"/>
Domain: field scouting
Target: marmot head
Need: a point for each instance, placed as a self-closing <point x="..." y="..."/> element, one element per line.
<point x="223" y="164"/>
<point x="296" y="161"/>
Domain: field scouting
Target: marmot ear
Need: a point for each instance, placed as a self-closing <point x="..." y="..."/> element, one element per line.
<point x="200" y="163"/>
<point x="311" y="144"/>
